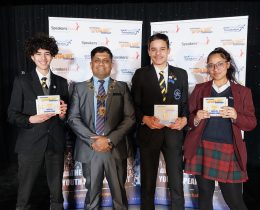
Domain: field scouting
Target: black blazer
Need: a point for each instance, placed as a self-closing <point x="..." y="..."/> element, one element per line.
<point x="34" y="138"/>
<point x="146" y="91"/>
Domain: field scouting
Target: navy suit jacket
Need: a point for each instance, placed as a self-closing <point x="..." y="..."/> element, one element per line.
<point x="146" y="93"/>
<point x="34" y="138"/>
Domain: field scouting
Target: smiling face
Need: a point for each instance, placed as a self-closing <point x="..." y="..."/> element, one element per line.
<point x="42" y="59"/>
<point x="101" y="65"/>
<point x="158" y="52"/>
<point x="218" y="68"/>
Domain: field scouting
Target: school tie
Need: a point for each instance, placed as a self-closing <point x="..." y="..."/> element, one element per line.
<point x="43" y="82"/>
<point x="162" y="85"/>
<point x="101" y="110"/>
<point x="44" y="86"/>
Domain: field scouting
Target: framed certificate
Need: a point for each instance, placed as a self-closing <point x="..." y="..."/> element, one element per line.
<point x="48" y="104"/>
<point x="214" y="104"/>
<point x="167" y="114"/>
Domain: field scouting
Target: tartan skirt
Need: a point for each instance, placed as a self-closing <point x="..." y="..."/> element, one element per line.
<point x="216" y="161"/>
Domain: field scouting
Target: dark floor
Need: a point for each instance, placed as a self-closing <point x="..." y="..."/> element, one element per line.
<point x="40" y="195"/>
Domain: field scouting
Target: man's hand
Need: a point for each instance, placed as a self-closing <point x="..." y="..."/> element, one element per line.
<point x="40" y="118"/>
<point x="101" y="144"/>
<point x="179" y="123"/>
<point x="152" y="122"/>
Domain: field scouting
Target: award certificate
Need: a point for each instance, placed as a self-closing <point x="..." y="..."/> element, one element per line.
<point x="167" y="114"/>
<point x="48" y="104"/>
<point x="214" y="104"/>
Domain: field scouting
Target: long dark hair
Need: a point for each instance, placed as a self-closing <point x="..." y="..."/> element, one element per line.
<point x="224" y="54"/>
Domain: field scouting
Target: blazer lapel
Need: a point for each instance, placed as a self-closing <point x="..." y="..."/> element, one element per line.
<point x="37" y="88"/>
<point x="110" y="91"/>
<point x="53" y="85"/>
<point x="236" y="94"/>
<point x="172" y="79"/>
<point x="153" y="80"/>
<point x="207" y="89"/>
<point x="89" y="107"/>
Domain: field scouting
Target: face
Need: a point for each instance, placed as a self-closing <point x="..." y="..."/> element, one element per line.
<point x="218" y="67"/>
<point x="158" y="52"/>
<point x="42" y="60"/>
<point x="101" y="65"/>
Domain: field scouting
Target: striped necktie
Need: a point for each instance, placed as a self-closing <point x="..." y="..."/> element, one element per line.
<point x="162" y="85"/>
<point x="43" y="82"/>
<point x="100" y="115"/>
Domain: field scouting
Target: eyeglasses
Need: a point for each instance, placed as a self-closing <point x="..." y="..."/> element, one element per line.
<point x="219" y="65"/>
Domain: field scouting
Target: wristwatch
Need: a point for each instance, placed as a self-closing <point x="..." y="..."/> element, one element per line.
<point x="110" y="142"/>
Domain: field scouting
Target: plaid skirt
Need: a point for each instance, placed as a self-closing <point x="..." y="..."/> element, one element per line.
<point x="216" y="161"/>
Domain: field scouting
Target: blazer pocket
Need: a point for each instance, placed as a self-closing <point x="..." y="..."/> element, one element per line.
<point x="117" y="94"/>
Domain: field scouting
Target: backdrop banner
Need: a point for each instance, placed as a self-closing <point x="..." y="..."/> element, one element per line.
<point x="190" y="42"/>
<point x="76" y="38"/>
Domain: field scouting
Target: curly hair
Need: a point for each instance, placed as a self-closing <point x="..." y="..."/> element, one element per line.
<point x="41" y="41"/>
<point x="225" y="55"/>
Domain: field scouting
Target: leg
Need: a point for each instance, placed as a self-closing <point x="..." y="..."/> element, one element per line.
<point x="29" y="167"/>
<point x="54" y="169"/>
<point x="149" y="168"/>
<point x="172" y="151"/>
<point x="206" y="191"/>
<point x="232" y="193"/>
<point x="93" y="172"/>
<point x="115" y="174"/>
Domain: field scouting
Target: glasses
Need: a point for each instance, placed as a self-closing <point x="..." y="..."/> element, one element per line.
<point x="104" y="62"/>
<point x="219" y="65"/>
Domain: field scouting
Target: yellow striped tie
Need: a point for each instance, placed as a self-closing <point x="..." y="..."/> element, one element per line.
<point x="43" y="82"/>
<point x="162" y="85"/>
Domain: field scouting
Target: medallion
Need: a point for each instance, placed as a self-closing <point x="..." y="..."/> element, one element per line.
<point x="102" y="111"/>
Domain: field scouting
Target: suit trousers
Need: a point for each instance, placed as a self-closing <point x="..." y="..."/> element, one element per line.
<point x="29" y="167"/>
<point x="149" y="155"/>
<point x="103" y="163"/>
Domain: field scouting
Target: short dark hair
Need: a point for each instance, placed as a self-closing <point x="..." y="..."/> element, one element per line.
<point x="101" y="49"/>
<point x="158" y="36"/>
<point x="41" y="41"/>
<point x="225" y="55"/>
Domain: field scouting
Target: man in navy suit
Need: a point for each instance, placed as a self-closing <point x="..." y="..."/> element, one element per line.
<point x="41" y="137"/>
<point x="149" y="89"/>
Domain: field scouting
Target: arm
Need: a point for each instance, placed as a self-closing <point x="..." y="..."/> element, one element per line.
<point x="195" y="109"/>
<point x="246" y="119"/>
<point x="136" y="92"/>
<point x="15" y="109"/>
<point x="75" y="119"/>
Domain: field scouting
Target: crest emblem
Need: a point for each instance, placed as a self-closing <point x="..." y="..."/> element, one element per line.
<point x="177" y="94"/>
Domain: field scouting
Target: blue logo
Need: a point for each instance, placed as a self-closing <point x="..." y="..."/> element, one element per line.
<point x="177" y="94"/>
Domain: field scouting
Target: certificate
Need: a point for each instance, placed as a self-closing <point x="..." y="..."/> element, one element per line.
<point x="214" y="104"/>
<point x="48" y="104"/>
<point x="167" y="114"/>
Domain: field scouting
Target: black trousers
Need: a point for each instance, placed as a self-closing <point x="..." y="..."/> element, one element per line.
<point x="171" y="147"/>
<point x="29" y="167"/>
<point x="232" y="194"/>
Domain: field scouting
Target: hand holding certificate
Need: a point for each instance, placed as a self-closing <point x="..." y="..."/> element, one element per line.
<point x="214" y="105"/>
<point x="48" y="104"/>
<point x="167" y="114"/>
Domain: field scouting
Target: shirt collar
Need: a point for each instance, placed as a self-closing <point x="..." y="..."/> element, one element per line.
<point x="222" y="88"/>
<point x="40" y="75"/>
<point x="95" y="79"/>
